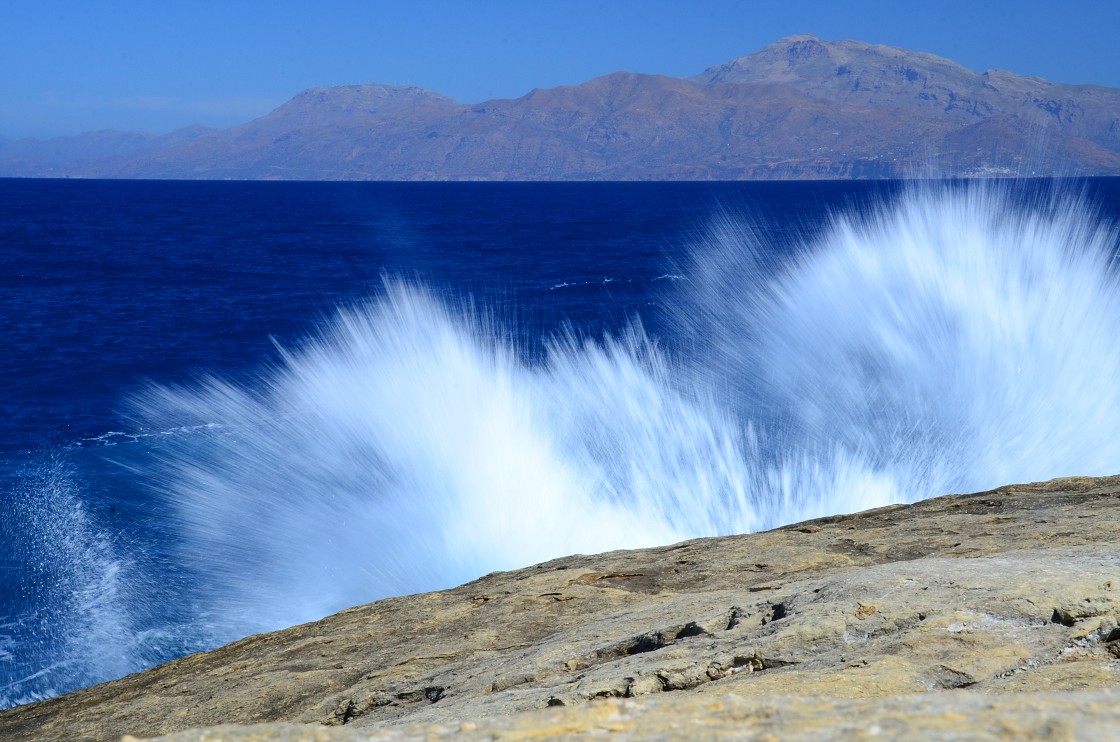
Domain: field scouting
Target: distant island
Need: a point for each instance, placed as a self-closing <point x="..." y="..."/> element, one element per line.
<point x="800" y="108"/>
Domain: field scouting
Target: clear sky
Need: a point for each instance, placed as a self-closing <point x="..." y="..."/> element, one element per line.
<point x="156" y="65"/>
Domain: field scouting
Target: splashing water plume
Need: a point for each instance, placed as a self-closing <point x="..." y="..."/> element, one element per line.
<point x="411" y="450"/>
<point x="954" y="341"/>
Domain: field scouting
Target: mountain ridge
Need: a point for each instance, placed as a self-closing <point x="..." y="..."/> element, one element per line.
<point x="798" y="108"/>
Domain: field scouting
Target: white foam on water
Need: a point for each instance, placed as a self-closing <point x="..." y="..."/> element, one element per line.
<point x="75" y="581"/>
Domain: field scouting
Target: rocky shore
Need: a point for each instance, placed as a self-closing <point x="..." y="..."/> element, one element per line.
<point x="986" y="616"/>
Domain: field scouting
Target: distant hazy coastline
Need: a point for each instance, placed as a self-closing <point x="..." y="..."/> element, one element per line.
<point x="800" y="108"/>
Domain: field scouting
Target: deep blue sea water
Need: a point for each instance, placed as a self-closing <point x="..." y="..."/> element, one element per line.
<point x="106" y="284"/>
<point x="194" y="441"/>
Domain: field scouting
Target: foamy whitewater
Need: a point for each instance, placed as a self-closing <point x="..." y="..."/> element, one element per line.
<point x="952" y="341"/>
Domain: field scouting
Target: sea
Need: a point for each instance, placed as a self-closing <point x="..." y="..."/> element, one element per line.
<point x="230" y="407"/>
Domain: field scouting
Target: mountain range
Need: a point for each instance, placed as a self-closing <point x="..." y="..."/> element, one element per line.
<point x="799" y="108"/>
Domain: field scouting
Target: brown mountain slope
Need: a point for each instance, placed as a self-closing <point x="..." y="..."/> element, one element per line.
<point x="1068" y="118"/>
<point x="855" y="73"/>
<point x="800" y="108"/>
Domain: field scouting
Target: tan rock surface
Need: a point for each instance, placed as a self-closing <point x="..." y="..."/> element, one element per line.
<point x="834" y="627"/>
<point x="951" y="715"/>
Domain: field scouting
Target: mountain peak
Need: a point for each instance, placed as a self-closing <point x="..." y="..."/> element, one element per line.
<point x="862" y="74"/>
<point x="347" y="105"/>
<point x="371" y="96"/>
<point x="796" y="59"/>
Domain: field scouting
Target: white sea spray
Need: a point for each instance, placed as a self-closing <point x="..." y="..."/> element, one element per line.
<point x="956" y="339"/>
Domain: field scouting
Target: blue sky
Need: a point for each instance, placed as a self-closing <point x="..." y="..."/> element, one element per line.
<point x="151" y="65"/>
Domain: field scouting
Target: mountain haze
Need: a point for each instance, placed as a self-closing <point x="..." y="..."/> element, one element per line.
<point x="799" y="108"/>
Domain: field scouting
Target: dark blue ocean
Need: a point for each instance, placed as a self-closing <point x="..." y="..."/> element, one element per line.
<point x="228" y="407"/>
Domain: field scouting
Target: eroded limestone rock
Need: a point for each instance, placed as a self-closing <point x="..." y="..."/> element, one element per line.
<point x="957" y="604"/>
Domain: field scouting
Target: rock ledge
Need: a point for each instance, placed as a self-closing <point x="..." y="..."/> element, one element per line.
<point x="993" y="615"/>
